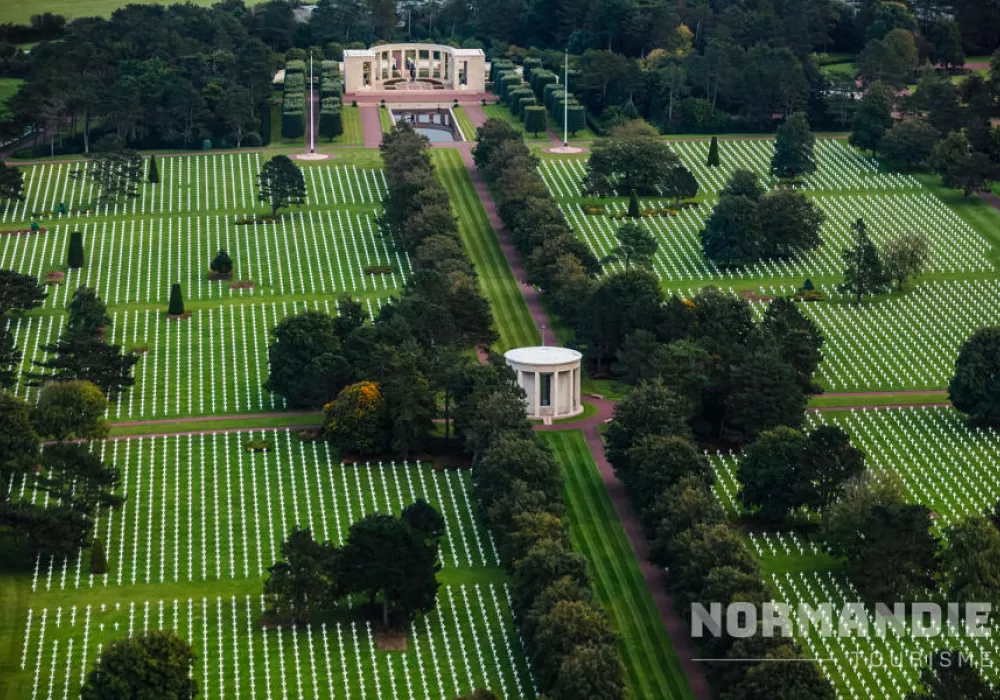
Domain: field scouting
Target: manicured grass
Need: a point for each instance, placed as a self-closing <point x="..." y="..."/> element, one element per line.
<point x="652" y="668"/>
<point x="191" y="426"/>
<point x="500" y="111"/>
<point x="509" y="310"/>
<point x="202" y="520"/>
<point x="351" y="117"/>
<point x="464" y="123"/>
<point x="386" y="120"/>
<point x="8" y="87"/>
<point x="882" y="399"/>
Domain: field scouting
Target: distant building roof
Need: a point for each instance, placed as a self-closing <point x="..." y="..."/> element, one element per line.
<point x="543" y="355"/>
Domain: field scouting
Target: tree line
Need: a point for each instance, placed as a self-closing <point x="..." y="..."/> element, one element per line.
<point x="151" y="75"/>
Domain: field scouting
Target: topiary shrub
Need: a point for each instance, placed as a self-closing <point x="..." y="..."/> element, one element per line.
<point x="222" y="264"/>
<point x="634" y="211"/>
<point x="75" y="257"/>
<point x="713" y="153"/>
<point x="176" y="307"/>
<point x="98" y="559"/>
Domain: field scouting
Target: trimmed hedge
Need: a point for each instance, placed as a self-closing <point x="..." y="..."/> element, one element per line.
<point x="540" y="79"/>
<point x="331" y="122"/>
<point x="508" y="82"/>
<point x="295" y="67"/>
<point x="530" y="65"/>
<point x="514" y="97"/>
<point x="523" y="104"/>
<point x="295" y="83"/>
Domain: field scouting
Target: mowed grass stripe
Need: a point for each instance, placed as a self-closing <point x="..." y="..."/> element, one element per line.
<point x="652" y="669"/>
<point x="513" y="321"/>
<point x="352" y="136"/>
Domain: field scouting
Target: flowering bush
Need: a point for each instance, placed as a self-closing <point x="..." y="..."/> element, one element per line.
<point x="357" y="420"/>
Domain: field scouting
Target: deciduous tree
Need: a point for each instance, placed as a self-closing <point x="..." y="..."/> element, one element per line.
<point x="975" y="388"/>
<point x="152" y="664"/>
<point x="905" y="257"/>
<point x="281" y="184"/>
<point x="71" y="410"/>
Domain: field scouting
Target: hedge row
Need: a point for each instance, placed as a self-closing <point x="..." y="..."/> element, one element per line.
<point x="556" y="260"/>
<point x="293" y="104"/>
<point x="331" y="121"/>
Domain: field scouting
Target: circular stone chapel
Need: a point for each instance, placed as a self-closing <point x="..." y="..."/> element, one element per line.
<point x="551" y="378"/>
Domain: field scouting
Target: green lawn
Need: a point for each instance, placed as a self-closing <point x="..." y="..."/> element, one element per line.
<point x="190" y="426"/>
<point x="8" y="87"/>
<point x="20" y="11"/>
<point x="509" y="311"/>
<point x="352" y="128"/>
<point x="464" y="123"/>
<point x="652" y="668"/>
<point x="386" y="120"/>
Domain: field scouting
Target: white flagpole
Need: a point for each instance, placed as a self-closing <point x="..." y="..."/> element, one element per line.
<point x="566" y="98"/>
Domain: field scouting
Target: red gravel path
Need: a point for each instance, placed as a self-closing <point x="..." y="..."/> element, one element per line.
<point x="371" y="125"/>
<point x="474" y="111"/>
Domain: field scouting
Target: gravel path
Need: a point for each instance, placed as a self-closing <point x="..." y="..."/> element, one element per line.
<point x="371" y="125"/>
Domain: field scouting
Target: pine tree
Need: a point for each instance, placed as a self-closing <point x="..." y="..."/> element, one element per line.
<point x="98" y="559"/>
<point x="864" y="273"/>
<point x="713" y="153"/>
<point x="154" y="172"/>
<point x="634" y="212"/>
<point x="75" y="258"/>
<point x="176" y="307"/>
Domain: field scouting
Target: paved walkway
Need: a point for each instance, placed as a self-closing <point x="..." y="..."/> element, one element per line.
<point x="655" y="576"/>
<point x="371" y="125"/>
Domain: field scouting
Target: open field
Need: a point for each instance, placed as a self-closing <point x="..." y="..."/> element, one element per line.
<point x="509" y="311"/>
<point x="201" y="510"/>
<point x="20" y="11"/>
<point x="651" y="665"/>
<point x="205" y="508"/>
<point x="945" y="465"/>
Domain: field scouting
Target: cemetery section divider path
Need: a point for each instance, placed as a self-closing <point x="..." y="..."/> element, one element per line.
<point x="654" y="577"/>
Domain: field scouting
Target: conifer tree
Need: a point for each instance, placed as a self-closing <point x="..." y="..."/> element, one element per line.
<point x="713" y="153"/>
<point x="75" y="257"/>
<point x="154" y="172"/>
<point x="176" y="307"/>
<point x="864" y="273"/>
<point x="634" y="211"/>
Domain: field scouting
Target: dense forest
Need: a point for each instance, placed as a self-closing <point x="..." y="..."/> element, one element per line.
<point x="178" y="75"/>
